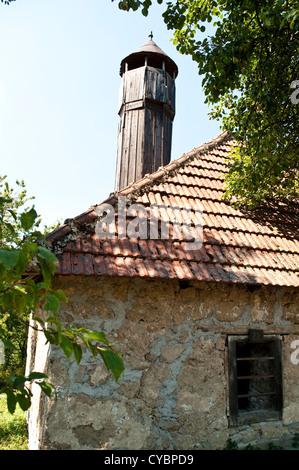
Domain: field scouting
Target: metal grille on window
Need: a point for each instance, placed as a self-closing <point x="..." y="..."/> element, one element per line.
<point x="255" y="379"/>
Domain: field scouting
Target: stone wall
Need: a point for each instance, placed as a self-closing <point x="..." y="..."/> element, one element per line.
<point x="174" y="391"/>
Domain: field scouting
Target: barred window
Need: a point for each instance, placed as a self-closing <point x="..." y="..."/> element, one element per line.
<point x="255" y="389"/>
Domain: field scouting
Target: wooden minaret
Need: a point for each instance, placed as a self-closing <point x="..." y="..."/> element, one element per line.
<point x="146" y="110"/>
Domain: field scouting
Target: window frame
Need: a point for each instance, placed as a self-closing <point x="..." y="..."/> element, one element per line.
<point x="236" y="417"/>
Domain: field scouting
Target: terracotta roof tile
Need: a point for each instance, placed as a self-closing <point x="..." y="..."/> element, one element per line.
<point x="237" y="247"/>
<point x="150" y="266"/>
<point x="99" y="266"/>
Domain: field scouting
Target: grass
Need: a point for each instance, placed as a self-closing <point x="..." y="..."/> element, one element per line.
<point x="13" y="428"/>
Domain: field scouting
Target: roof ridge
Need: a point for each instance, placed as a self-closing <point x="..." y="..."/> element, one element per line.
<point x="88" y="216"/>
<point x="172" y="166"/>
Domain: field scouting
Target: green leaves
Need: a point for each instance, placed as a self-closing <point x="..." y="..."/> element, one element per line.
<point x="96" y="336"/>
<point x="127" y="5"/>
<point x="77" y="352"/>
<point x="52" y="303"/>
<point x="11" y="401"/>
<point x="248" y="63"/>
<point x="9" y="258"/>
<point x="36" y="376"/>
<point x="113" y="362"/>
<point x="47" y="262"/>
<point x="73" y="340"/>
<point x="28" y="219"/>
<point x="27" y="267"/>
<point x="47" y="388"/>
<point x="18" y="390"/>
<point x="47" y="256"/>
<point x="67" y="345"/>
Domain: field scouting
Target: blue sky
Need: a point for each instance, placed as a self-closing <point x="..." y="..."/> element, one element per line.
<point x="59" y="88"/>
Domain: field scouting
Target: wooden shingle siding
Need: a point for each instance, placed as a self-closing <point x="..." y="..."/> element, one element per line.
<point x="147" y="108"/>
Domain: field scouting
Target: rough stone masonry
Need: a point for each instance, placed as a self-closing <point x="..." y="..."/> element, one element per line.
<point x="173" y="340"/>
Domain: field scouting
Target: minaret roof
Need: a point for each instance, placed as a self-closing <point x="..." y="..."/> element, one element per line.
<point x="155" y="57"/>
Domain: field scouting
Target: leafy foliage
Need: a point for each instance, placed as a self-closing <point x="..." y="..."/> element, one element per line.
<point x="26" y="269"/>
<point x="13" y="428"/>
<point x="250" y="69"/>
<point x="15" y="333"/>
<point x="135" y="4"/>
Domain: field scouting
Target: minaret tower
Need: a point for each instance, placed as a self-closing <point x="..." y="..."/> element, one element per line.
<point x="146" y="110"/>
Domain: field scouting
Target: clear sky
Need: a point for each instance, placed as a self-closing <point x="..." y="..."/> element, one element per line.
<point x="59" y="88"/>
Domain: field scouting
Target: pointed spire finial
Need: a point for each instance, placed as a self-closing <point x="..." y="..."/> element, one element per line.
<point x="151" y="36"/>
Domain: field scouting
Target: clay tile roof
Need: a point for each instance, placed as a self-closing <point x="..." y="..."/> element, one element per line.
<point x="260" y="247"/>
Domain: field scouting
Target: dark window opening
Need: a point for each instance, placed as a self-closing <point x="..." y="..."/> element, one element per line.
<point x="255" y="380"/>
